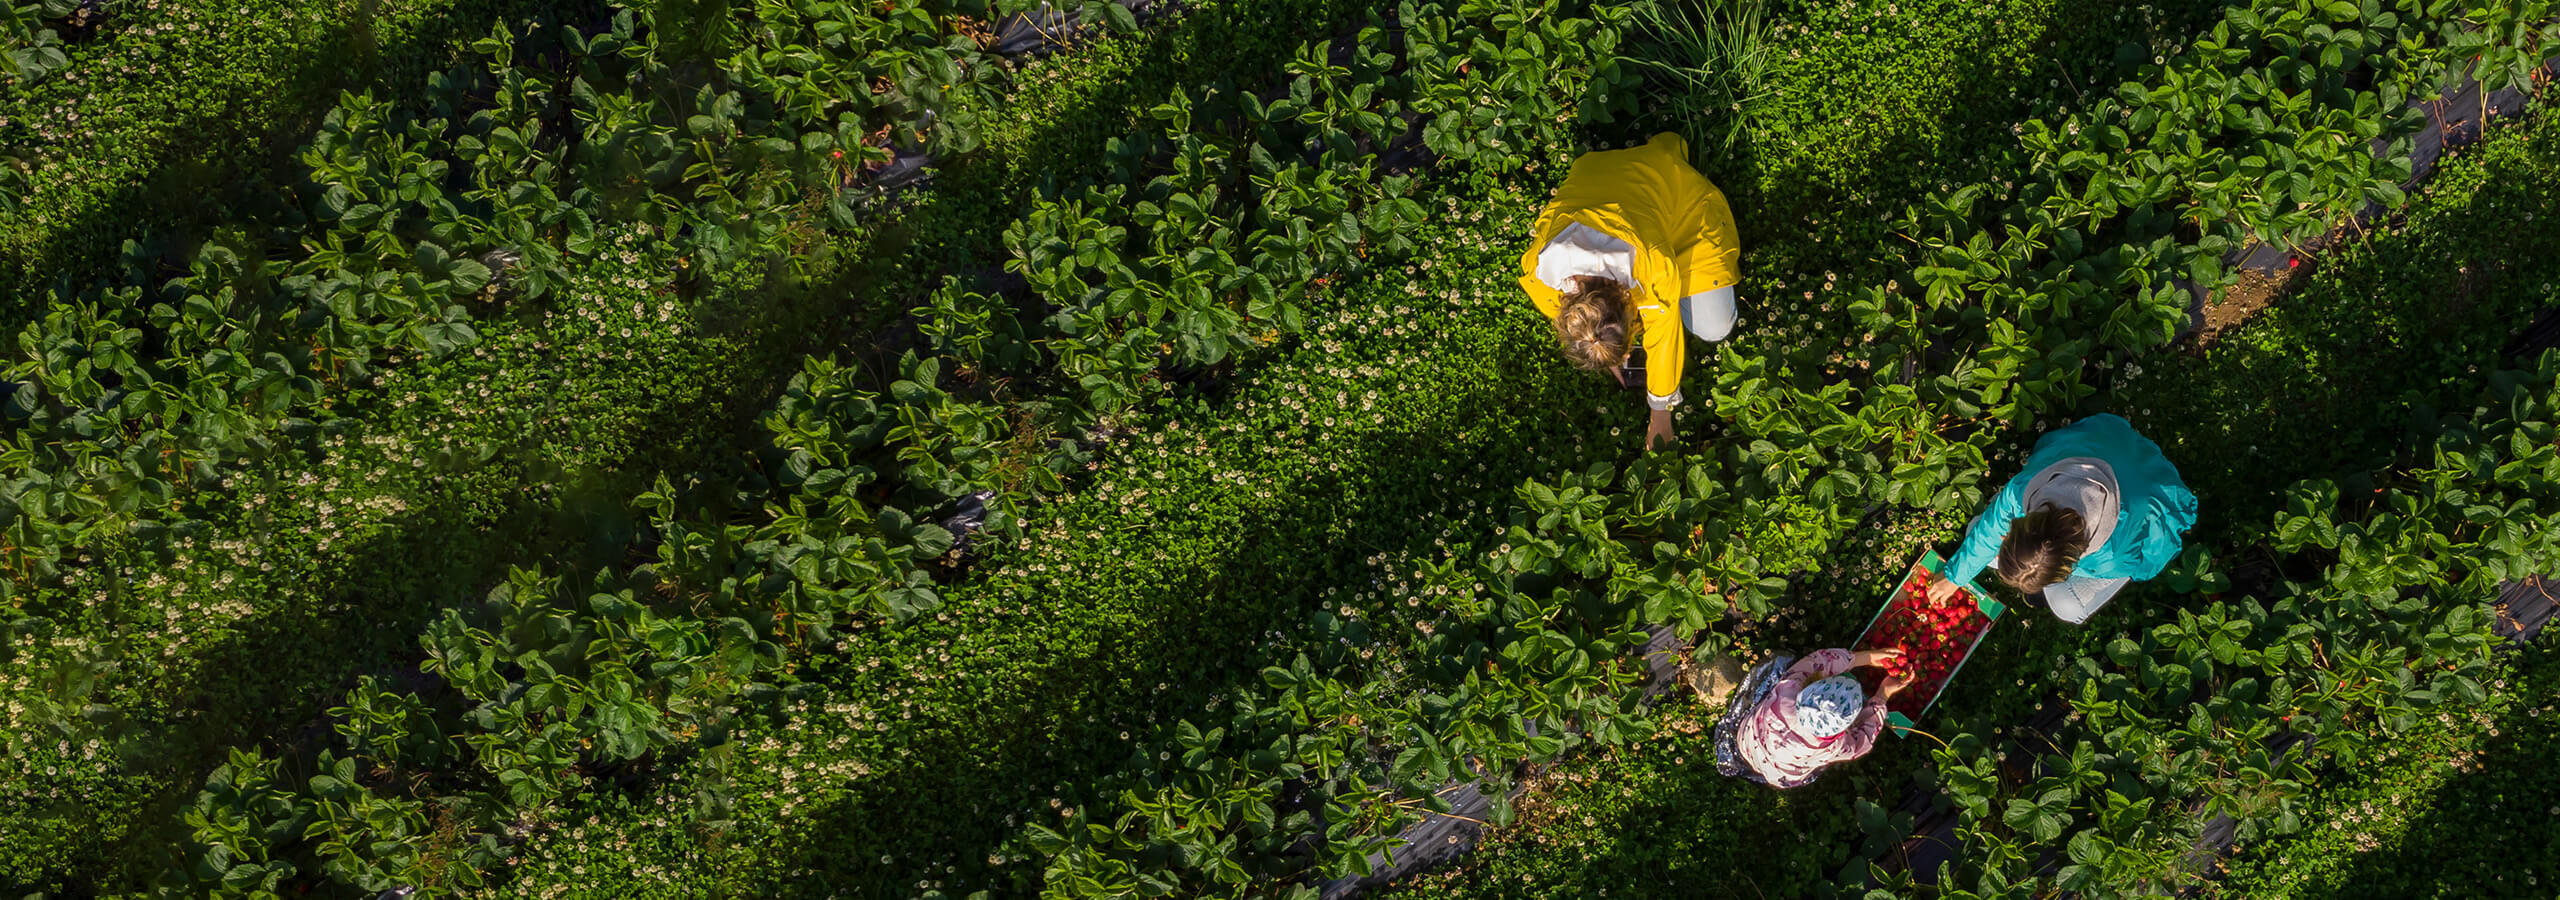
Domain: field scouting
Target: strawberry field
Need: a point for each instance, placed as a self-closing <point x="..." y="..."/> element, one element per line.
<point x="486" y="448"/>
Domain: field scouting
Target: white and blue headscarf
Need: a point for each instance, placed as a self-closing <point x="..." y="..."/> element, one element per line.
<point x="1826" y="708"/>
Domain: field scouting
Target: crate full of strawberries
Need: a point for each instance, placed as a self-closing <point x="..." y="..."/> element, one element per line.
<point x="1935" y="638"/>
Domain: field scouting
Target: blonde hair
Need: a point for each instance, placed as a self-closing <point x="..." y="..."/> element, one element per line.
<point x="2042" y="547"/>
<point x="1591" y="324"/>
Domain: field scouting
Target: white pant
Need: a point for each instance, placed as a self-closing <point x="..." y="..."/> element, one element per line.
<point x="1709" y="314"/>
<point x="2075" y="599"/>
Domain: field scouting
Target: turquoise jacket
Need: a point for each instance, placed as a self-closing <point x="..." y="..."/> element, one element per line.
<point x="2156" y="504"/>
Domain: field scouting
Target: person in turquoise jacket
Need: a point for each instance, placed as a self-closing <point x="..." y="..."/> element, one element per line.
<point x="2096" y="507"/>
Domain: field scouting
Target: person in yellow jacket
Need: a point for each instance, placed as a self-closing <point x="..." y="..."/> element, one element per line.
<point x="1636" y="247"/>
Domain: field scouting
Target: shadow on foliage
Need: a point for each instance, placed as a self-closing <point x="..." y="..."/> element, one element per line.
<point x="228" y="177"/>
<point x="1205" y="630"/>
<point x="1840" y="202"/>
<point x="267" y="683"/>
<point x="2346" y="377"/>
<point x="2476" y="835"/>
<point x="254" y="685"/>
<point x="2350" y="375"/>
<point x="1198" y="625"/>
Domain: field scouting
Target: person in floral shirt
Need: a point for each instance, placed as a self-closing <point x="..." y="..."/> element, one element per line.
<point x="1784" y="729"/>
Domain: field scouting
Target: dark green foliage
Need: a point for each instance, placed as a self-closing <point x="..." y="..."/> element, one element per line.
<point x="634" y="574"/>
<point x="29" y="47"/>
<point x="2414" y="817"/>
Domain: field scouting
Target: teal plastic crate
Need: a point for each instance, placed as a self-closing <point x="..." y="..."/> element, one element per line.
<point x="1930" y="562"/>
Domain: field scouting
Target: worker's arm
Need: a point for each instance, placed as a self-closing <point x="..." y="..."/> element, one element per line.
<point x="1820" y="664"/>
<point x="1861" y="736"/>
<point x="1982" y="539"/>
<point x="1873" y="657"/>
<point x="1666" y="354"/>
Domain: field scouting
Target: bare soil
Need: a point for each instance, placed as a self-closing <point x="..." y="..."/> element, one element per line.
<point x="2256" y="290"/>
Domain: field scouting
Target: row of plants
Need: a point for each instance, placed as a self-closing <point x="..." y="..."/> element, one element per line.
<point x="1262" y="192"/>
<point x="2073" y="805"/>
<point x="2398" y="831"/>
<point x="869" y="801"/>
<point x="1297" y="228"/>
<point x="1613" y="551"/>
<point x="682" y="723"/>
<point x="321" y="558"/>
<point x="1100" y="857"/>
<point x="820" y="557"/>
<point x="1101" y="871"/>
<point x="158" y="120"/>
<point x="1069" y="650"/>
<point x="813" y="549"/>
<point x="132" y="400"/>
<point x="2184" y="721"/>
<point x="161" y="428"/>
<point x="270" y="382"/>
<point x="951" y="443"/>
<point x="1630" y="818"/>
<point x="2373" y="607"/>
<point x="2275" y="126"/>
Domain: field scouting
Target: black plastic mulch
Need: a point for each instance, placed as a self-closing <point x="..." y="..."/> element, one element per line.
<point x="2543" y="334"/>
<point x="1032" y="34"/>
<point x="2524" y="607"/>
<point x="1049" y="29"/>
<point x="1434" y="842"/>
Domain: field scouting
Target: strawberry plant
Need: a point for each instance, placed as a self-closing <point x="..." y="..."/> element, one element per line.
<point x="1279" y="520"/>
<point x="2505" y="42"/>
<point x="1498" y="82"/>
<point x="29" y="48"/>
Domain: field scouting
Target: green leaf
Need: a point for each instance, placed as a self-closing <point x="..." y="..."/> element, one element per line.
<point x="469" y="276"/>
<point x="2019" y="815"/>
<point x="2086" y="849"/>
<point x="443" y="338"/>
<point x="2124" y="652"/>
<point x="1121" y="20"/>
<point x="2048" y="826"/>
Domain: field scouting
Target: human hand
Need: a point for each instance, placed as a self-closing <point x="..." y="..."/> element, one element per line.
<point x="1877" y="656"/>
<point x="1657" y="431"/>
<point x="1894" y="685"/>
<point x="1941" y="590"/>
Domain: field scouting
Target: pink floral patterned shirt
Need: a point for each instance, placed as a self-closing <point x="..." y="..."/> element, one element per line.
<point x="1770" y="744"/>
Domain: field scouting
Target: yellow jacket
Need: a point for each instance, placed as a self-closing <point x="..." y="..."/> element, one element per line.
<point x="1676" y="220"/>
